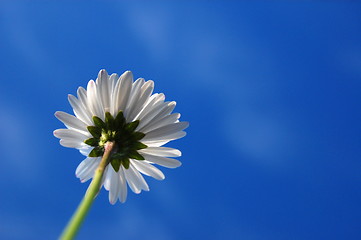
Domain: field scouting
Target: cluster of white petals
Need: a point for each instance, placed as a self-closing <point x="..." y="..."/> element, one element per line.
<point x="111" y="93"/>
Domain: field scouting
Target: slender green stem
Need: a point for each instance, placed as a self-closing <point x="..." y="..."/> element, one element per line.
<point x="77" y="219"/>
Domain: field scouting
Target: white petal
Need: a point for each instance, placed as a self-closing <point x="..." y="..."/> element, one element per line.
<point x="107" y="177"/>
<point x="71" y="121"/>
<point x="114" y="185"/>
<point x="166" y="110"/>
<point x="165" y="131"/>
<point x="89" y="173"/>
<point x="86" y="168"/>
<point x="131" y="181"/>
<point x="155" y="110"/>
<point x="86" y="150"/>
<point x="142" y="183"/>
<point x="157" y="142"/>
<point x="83" y="99"/>
<point x="111" y="83"/>
<point x="147" y="106"/>
<point x="154" y="124"/>
<point x="123" y="190"/>
<point x="84" y="165"/>
<point x="146" y="91"/>
<point x="71" y="134"/>
<point x="121" y="92"/>
<point x="148" y="169"/>
<point x="72" y="143"/>
<point x="162" y="161"/>
<point x="135" y="181"/>
<point x="162" y="151"/>
<point x="112" y="80"/>
<point x="79" y="110"/>
<point x="103" y="89"/>
<point x="133" y="98"/>
<point x="94" y="101"/>
<point x="152" y="102"/>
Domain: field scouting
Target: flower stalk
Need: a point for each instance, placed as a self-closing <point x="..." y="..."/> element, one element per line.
<point x="77" y="219"/>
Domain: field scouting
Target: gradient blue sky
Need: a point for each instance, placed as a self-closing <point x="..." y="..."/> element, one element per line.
<point x="271" y="90"/>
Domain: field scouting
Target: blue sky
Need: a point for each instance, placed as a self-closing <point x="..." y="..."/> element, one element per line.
<point x="271" y="90"/>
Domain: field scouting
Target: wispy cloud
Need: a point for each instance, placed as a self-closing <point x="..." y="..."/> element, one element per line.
<point x="20" y="154"/>
<point x="151" y="25"/>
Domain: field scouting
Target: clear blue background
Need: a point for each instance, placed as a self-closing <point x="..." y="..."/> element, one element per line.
<point x="271" y="90"/>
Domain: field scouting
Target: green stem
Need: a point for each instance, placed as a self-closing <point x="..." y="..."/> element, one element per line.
<point x="77" y="219"/>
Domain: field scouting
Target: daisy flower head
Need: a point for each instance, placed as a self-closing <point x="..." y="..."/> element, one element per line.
<point x="117" y="109"/>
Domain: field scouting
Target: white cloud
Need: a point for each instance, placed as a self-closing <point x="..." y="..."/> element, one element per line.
<point x="20" y="153"/>
<point x="151" y="25"/>
<point x="26" y="42"/>
<point x="25" y="227"/>
<point x="262" y="138"/>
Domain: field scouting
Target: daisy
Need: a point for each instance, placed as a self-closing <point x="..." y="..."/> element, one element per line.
<point x="116" y="109"/>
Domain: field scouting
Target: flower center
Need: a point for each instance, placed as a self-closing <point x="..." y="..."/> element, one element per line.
<point x="124" y="136"/>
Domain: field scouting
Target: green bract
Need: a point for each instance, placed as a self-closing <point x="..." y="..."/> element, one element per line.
<point x="123" y="134"/>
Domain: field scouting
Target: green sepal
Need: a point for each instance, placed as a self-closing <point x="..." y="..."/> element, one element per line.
<point x="122" y="133"/>
<point x="116" y="164"/>
<point x="132" y="126"/>
<point x="118" y="135"/>
<point x="92" y="142"/>
<point x="96" y="152"/>
<point x="139" y="145"/>
<point x="119" y="120"/>
<point x="118" y="156"/>
<point x="95" y="131"/>
<point x="98" y="122"/>
<point x="125" y="163"/>
<point x="138" y="135"/>
<point x="135" y="155"/>
<point x="109" y="120"/>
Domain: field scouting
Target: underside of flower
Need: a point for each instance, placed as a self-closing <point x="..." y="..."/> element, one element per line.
<point x="124" y="136"/>
<point x="118" y="109"/>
